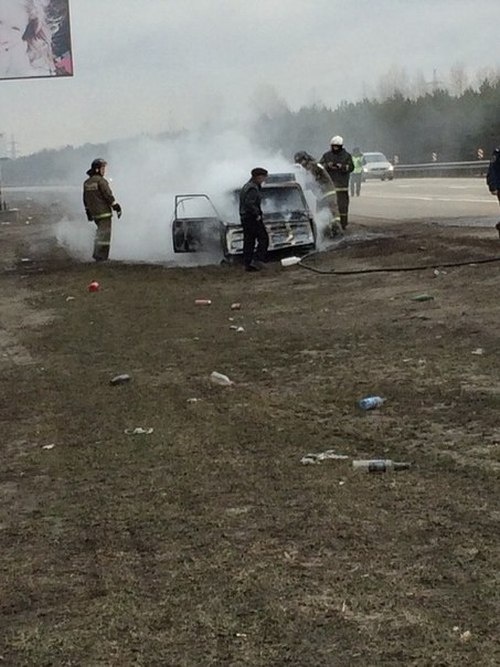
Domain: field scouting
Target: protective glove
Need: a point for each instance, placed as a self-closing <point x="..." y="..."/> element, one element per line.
<point x="116" y="207"/>
<point x="89" y="215"/>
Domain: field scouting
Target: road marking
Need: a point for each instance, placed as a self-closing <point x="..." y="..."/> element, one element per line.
<point x="430" y="198"/>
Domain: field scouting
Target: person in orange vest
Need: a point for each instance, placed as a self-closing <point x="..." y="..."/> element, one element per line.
<point x="99" y="202"/>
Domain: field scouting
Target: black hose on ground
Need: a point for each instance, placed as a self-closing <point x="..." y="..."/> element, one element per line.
<point x="396" y="269"/>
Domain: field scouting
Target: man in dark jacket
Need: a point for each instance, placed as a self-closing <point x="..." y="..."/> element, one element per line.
<point x="339" y="165"/>
<point x="251" y="221"/>
<point x="99" y="203"/>
<point x="493" y="178"/>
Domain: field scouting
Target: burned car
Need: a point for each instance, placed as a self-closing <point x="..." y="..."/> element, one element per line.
<point x="286" y="216"/>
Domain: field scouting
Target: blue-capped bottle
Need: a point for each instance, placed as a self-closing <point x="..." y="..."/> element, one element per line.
<point x="371" y="402"/>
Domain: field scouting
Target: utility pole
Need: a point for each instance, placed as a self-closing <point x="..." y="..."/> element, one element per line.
<point x="13" y="148"/>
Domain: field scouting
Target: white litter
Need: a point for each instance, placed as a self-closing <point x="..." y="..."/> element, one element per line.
<point x="138" y="431"/>
<point x="312" y="459"/>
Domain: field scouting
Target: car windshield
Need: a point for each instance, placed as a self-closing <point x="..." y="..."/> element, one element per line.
<point x="279" y="200"/>
<point x="374" y="157"/>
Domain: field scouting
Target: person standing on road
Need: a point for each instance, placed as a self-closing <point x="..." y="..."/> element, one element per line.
<point x="357" y="174"/>
<point x="252" y="221"/>
<point x="339" y="164"/>
<point x="493" y="178"/>
<point x="99" y="203"/>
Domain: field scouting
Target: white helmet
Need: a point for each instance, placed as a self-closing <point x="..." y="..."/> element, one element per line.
<point x="337" y="141"/>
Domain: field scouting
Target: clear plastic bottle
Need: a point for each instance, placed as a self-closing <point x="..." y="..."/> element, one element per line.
<point x="371" y="402"/>
<point x="380" y="465"/>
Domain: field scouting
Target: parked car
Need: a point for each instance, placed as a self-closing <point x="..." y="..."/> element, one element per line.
<point x="376" y="165"/>
<point x="287" y="218"/>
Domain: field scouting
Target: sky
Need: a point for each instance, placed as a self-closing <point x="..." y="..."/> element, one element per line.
<point x="148" y="66"/>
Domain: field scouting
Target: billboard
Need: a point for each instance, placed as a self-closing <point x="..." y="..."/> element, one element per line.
<point x="35" y="39"/>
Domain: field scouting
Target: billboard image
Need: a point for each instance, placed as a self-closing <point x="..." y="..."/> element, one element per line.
<point x="35" y="39"/>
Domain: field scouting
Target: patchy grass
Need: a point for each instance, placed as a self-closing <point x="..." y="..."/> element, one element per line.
<point x="206" y="542"/>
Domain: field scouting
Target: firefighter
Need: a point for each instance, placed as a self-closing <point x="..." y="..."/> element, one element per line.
<point x="357" y="174"/>
<point x="339" y="165"/>
<point x="493" y="178"/>
<point x="99" y="203"/>
<point x="327" y="196"/>
<point x="252" y="221"/>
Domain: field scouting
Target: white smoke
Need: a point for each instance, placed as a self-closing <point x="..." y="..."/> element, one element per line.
<point x="145" y="176"/>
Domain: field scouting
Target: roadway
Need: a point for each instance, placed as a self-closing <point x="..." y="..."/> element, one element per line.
<point x="465" y="199"/>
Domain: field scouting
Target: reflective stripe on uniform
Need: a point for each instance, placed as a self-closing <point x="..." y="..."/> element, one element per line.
<point x="102" y="243"/>
<point x="103" y="216"/>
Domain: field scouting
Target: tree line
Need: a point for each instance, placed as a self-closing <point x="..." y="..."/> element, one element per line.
<point x="413" y="128"/>
<point x="407" y="124"/>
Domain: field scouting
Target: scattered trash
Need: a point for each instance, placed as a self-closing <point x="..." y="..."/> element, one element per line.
<point x="120" y="379"/>
<point x="456" y="628"/>
<point x="465" y="636"/>
<point x="371" y="402"/>
<point x="220" y="379"/>
<point x="233" y="327"/>
<point x="230" y="319"/>
<point x="27" y="222"/>
<point x="422" y="297"/>
<point x="341" y="483"/>
<point x="93" y="286"/>
<point x="241" y="635"/>
<point x="240" y="330"/>
<point x="5" y="224"/>
<point x="478" y="351"/>
<point x="439" y="273"/>
<point x="26" y="260"/>
<point x="48" y="447"/>
<point x="138" y="431"/>
<point x="290" y="261"/>
<point x="236" y="306"/>
<point x="70" y="298"/>
<point x="379" y="465"/>
<point x="203" y="302"/>
<point x="312" y="459"/>
<point x="194" y="400"/>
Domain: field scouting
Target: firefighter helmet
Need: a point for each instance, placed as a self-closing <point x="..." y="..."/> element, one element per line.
<point x="98" y="163"/>
<point x="337" y="141"/>
<point x="302" y="156"/>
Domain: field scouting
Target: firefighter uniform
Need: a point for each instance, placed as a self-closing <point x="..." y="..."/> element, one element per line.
<point x="338" y="163"/>
<point x="99" y="203"/>
<point x="326" y="194"/>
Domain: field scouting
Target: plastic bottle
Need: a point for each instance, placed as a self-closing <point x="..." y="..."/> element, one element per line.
<point x="203" y="302"/>
<point x="290" y="261"/>
<point x="380" y="465"/>
<point x="220" y="379"/>
<point x="371" y="402"/>
<point x="120" y="379"/>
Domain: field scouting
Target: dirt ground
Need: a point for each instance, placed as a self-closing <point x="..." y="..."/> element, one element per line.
<point x="207" y="542"/>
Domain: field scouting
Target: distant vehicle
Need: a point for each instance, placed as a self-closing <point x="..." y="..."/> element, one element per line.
<point x="376" y="165"/>
<point x="287" y="218"/>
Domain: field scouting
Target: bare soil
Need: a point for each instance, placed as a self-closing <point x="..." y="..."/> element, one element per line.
<point x="207" y="542"/>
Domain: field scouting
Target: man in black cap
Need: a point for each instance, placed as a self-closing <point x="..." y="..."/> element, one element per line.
<point x="251" y="221"/>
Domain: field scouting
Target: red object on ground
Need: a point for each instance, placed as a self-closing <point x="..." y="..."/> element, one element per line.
<point x="94" y="286"/>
